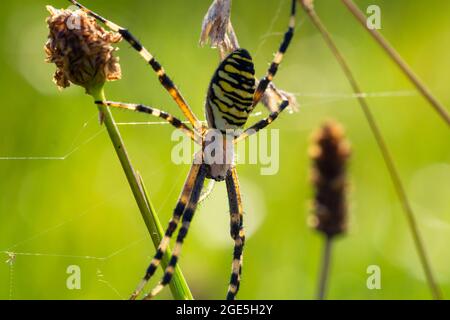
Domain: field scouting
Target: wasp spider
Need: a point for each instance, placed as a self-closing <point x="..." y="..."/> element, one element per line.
<point x="231" y="97"/>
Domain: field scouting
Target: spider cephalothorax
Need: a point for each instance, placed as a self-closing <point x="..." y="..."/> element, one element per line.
<point x="232" y="96"/>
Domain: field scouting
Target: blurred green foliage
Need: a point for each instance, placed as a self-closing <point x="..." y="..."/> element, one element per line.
<point x="80" y="210"/>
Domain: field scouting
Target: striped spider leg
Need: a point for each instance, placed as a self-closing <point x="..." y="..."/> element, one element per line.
<point x="148" y="57"/>
<point x="271" y="72"/>
<point x="264" y="83"/>
<point x="188" y="214"/>
<point x="175" y="122"/>
<point x="186" y="205"/>
<point x="236" y="231"/>
<point x="194" y="184"/>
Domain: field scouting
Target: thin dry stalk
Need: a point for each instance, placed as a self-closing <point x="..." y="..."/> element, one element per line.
<point x="420" y="247"/>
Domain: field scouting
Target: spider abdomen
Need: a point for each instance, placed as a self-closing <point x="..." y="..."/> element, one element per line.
<point x="230" y="95"/>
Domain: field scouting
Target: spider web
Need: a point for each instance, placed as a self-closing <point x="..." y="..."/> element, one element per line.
<point x="12" y="253"/>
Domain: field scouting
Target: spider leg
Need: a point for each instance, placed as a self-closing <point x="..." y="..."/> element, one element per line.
<point x="262" y="123"/>
<point x="183" y="202"/>
<point x="175" y="122"/>
<point x="147" y="56"/>
<point x="187" y="218"/>
<point x="236" y="231"/>
<point x="277" y="59"/>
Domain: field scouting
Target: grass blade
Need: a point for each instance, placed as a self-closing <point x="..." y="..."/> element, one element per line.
<point x="178" y="285"/>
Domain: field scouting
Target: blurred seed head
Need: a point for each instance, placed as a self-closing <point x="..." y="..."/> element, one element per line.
<point x="329" y="153"/>
<point x="81" y="50"/>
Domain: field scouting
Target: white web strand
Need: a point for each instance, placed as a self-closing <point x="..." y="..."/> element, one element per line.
<point x="101" y="278"/>
<point x="323" y="98"/>
<point x="10" y="261"/>
<point x="269" y="32"/>
<point x="55" y="227"/>
<point x="83" y="128"/>
<point x="328" y="98"/>
<point x="12" y="256"/>
<point x="383" y="94"/>
<point x="318" y="98"/>
<point x="60" y="158"/>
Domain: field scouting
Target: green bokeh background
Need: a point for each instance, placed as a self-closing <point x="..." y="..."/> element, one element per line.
<point x="80" y="211"/>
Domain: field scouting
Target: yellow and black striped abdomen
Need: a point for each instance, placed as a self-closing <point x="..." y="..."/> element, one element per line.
<point x="230" y="95"/>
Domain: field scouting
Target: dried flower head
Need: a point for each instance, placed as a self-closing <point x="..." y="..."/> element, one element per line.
<point x="329" y="153"/>
<point x="80" y="49"/>
<point x="218" y="29"/>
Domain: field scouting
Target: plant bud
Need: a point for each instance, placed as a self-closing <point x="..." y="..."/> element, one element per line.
<point x="81" y="50"/>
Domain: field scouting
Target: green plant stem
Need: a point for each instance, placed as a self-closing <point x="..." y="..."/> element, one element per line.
<point x="178" y="285"/>
<point x="325" y="268"/>
<point x="395" y="56"/>
<point x="398" y="186"/>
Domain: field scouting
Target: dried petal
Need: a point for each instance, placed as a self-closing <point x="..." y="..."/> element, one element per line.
<point x="273" y="97"/>
<point x="80" y="49"/>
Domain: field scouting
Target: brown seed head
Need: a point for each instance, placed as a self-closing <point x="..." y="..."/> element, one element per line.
<point x="329" y="153"/>
<point x="80" y="49"/>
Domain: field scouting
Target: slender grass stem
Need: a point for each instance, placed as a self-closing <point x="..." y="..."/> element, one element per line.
<point x="398" y="186"/>
<point x="395" y="56"/>
<point x="325" y="269"/>
<point x="178" y="285"/>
